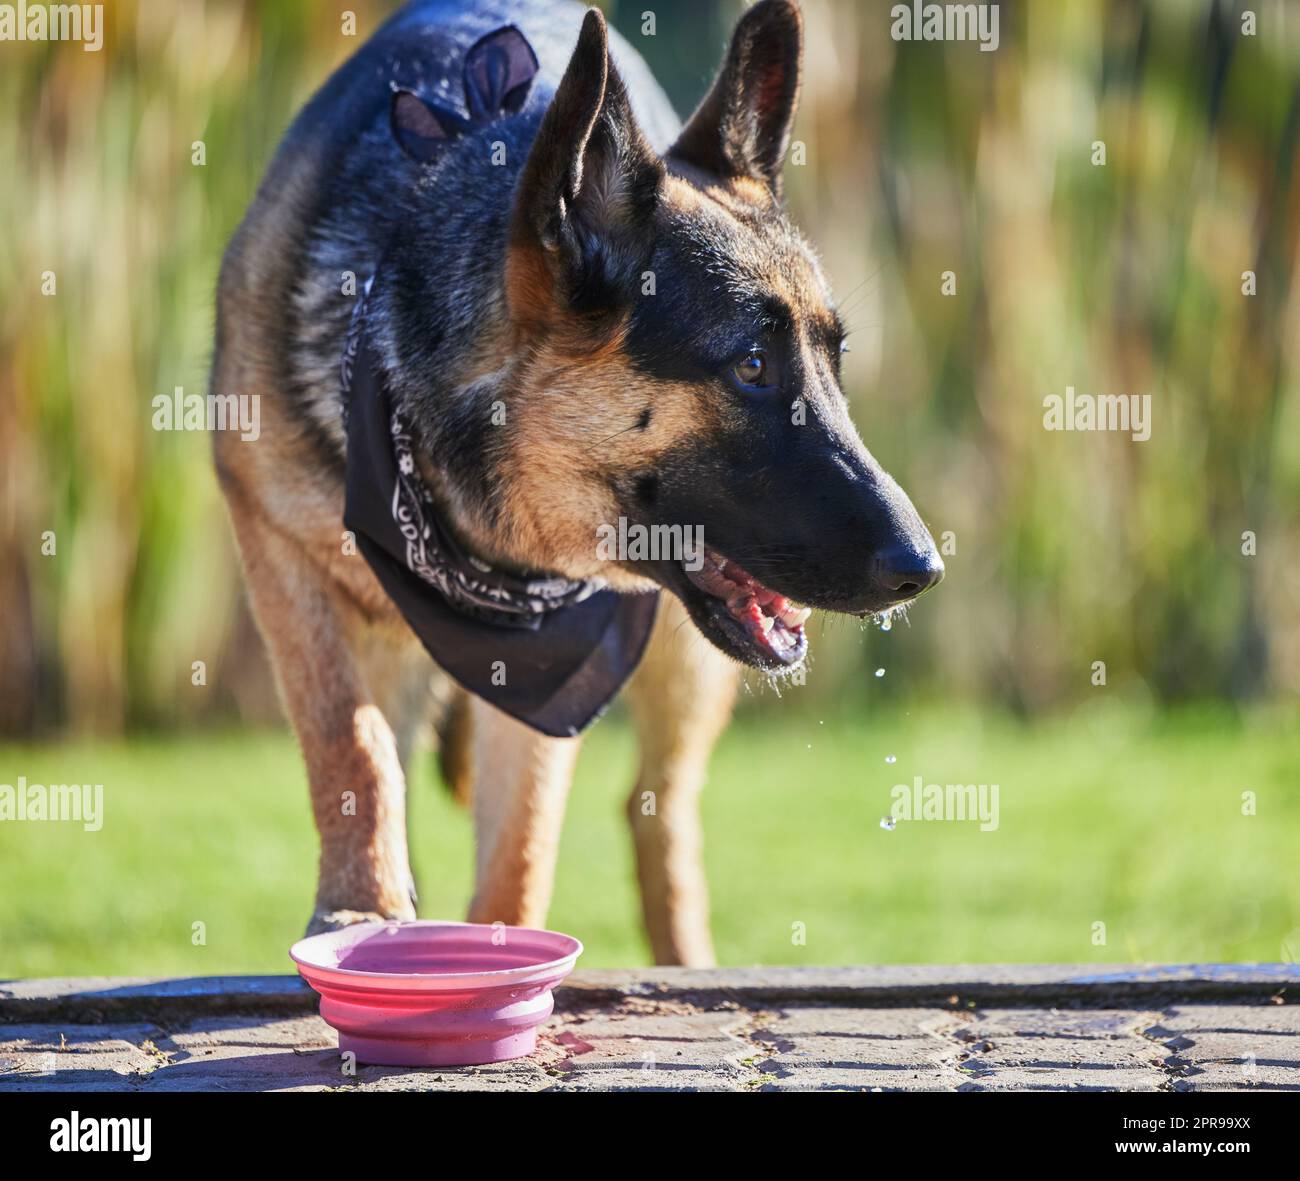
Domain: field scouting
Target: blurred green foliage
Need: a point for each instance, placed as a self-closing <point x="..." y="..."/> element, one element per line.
<point x="920" y="158"/>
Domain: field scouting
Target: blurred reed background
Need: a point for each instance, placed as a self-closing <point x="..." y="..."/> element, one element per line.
<point x="920" y="159"/>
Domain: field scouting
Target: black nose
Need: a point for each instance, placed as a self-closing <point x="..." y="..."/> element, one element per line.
<point x="902" y="571"/>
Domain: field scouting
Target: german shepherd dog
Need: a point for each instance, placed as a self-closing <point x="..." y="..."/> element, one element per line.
<point x="515" y="258"/>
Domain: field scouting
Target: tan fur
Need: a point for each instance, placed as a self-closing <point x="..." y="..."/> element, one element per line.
<point x="530" y="288"/>
<point x="745" y="201"/>
<point x="578" y="418"/>
<point x="521" y="784"/>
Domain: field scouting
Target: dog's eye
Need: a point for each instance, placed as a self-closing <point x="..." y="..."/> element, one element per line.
<point x="752" y="370"/>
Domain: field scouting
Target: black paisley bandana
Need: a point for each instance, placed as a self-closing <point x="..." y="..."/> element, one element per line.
<point x="547" y="651"/>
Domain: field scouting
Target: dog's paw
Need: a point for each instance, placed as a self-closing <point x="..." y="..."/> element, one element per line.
<point x="336" y="920"/>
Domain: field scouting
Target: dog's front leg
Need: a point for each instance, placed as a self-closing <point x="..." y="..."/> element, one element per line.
<point x="358" y="790"/>
<point x="358" y="795"/>
<point x="681" y="698"/>
<point x="521" y="783"/>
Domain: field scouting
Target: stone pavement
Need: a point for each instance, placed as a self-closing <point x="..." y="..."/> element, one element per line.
<point x="985" y="1028"/>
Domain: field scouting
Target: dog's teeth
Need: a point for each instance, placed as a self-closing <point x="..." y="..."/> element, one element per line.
<point x="795" y="618"/>
<point x="767" y="623"/>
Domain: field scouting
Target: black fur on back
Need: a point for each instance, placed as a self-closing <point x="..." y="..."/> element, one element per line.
<point x="436" y="232"/>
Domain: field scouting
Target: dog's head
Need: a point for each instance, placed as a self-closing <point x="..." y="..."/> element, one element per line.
<point x="678" y="365"/>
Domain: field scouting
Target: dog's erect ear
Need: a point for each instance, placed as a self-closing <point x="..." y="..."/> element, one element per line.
<point x="588" y="191"/>
<point x="742" y="128"/>
<point x="421" y="130"/>
<point x="498" y="74"/>
<point x="499" y="71"/>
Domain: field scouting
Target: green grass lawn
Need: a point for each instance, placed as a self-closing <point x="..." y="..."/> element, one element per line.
<point x="1102" y="819"/>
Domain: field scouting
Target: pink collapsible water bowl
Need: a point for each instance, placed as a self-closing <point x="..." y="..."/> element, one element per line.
<point x="435" y="994"/>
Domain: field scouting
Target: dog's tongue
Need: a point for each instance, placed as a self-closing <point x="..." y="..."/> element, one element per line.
<point x="759" y="608"/>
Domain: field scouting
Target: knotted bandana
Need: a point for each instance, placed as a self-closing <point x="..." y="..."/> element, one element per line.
<point x="548" y="651"/>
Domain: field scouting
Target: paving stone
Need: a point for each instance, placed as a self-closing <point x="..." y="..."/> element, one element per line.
<point x="514" y="1076"/>
<point x="1061" y="1063"/>
<point x="232" y="1035"/>
<point x="1213" y="1060"/>
<point x="841" y="1048"/>
<point x="77" y="1057"/>
<point x="1231" y="1047"/>
<point x="1233" y="1018"/>
<point x="653" y="1049"/>
<point x="250" y="1054"/>
<point x="1064" y="1023"/>
<point x="281" y="1070"/>
<point x="871" y="1023"/>
<point x="1212" y="1046"/>
<point x="638" y="1031"/>
<point x="908" y="1066"/>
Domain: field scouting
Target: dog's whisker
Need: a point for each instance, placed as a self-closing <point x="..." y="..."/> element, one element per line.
<point x="611" y="438"/>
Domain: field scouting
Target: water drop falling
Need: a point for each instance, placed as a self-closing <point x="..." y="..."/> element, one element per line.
<point x="891" y="758"/>
<point x="888" y="823"/>
<point x="886" y="624"/>
<point x="880" y="672"/>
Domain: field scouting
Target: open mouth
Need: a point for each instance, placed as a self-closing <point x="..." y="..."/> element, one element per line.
<point x="762" y="626"/>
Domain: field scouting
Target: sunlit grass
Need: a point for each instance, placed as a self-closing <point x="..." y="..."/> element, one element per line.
<point x="1102" y="820"/>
